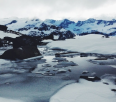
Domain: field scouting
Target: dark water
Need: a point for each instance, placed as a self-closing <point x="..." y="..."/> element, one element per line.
<point x="36" y="80"/>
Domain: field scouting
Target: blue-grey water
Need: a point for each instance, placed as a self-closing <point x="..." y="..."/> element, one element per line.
<point x="36" y="80"/>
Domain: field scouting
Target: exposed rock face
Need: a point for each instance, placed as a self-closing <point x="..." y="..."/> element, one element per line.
<point x="1" y="44"/>
<point x="9" y="39"/>
<point x="21" y="53"/>
<point x="91" y="78"/>
<point x="61" y="35"/>
<point x="23" y="40"/>
<point x="3" y="27"/>
<point x="48" y="37"/>
<point x="26" y="41"/>
<point x="23" y="47"/>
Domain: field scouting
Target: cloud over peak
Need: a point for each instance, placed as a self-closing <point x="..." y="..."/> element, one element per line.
<point x="58" y="9"/>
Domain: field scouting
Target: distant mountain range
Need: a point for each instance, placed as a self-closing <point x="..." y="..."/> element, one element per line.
<point x="87" y="26"/>
<point x="67" y="27"/>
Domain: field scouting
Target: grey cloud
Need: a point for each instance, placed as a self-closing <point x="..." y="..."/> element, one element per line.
<point x="70" y="3"/>
<point x="106" y="17"/>
<point x="54" y="3"/>
<point x="50" y="8"/>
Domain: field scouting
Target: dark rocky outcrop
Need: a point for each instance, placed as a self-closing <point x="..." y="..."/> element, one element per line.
<point x="113" y="90"/>
<point x="23" y="40"/>
<point x="1" y="43"/>
<point x="23" y="47"/>
<point x="106" y="83"/>
<point x="21" y="53"/>
<point x="3" y="27"/>
<point x="48" y="37"/>
<point x="10" y="39"/>
<point x="43" y="27"/>
<point x="85" y="72"/>
<point x="91" y="78"/>
<point x="83" y="54"/>
<point x="105" y="36"/>
<point x="60" y="35"/>
<point x="26" y="41"/>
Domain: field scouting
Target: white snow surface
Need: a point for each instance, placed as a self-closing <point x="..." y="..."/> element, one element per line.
<point x="84" y="91"/>
<point x="91" y="43"/>
<point x="56" y="37"/>
<point x="3" y="34"/>
<point x="8" y="100"/>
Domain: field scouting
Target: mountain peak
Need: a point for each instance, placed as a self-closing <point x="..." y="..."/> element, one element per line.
<point x="90" y="20"/>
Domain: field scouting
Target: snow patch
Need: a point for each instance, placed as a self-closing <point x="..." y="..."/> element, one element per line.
<point x="91" y="43"/>
<point x="84" y="91"/>
<point x="3" y="34"/>
<point x="56" y="37"/>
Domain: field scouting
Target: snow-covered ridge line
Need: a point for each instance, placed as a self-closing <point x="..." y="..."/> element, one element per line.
<point x="88" y="26"/>
<point x="36" y="27"/>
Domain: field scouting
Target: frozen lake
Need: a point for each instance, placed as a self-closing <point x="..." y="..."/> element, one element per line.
<point x="38" y="79"/>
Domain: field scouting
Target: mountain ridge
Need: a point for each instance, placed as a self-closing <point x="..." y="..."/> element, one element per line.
<point x="91" y="25"/>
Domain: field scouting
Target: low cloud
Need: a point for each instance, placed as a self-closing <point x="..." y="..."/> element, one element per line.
<point x="58" y="9"/>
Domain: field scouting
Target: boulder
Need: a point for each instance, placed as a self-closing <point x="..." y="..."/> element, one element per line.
<point x="3" y="27"/>
<point x="21" y="53"/>
<point x="113" y="90"/>
<point x="85" y="72"/>
<point x="105" y="36"/>
<point x="83" y="54"/>
<point x="26" y="41"/>
<point x="90" y="78"/>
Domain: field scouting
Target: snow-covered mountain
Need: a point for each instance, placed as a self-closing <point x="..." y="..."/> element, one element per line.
<point x="87" y="26"/>
<point x="37" y="27"/>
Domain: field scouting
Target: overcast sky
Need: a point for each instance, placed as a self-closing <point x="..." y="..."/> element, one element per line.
<point x="58" y="9"/>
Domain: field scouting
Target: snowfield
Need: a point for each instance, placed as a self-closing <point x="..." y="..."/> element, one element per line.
<point x="91" y="43"/>
<point x="3" y="34"/>
<point x="85" y="91"/>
